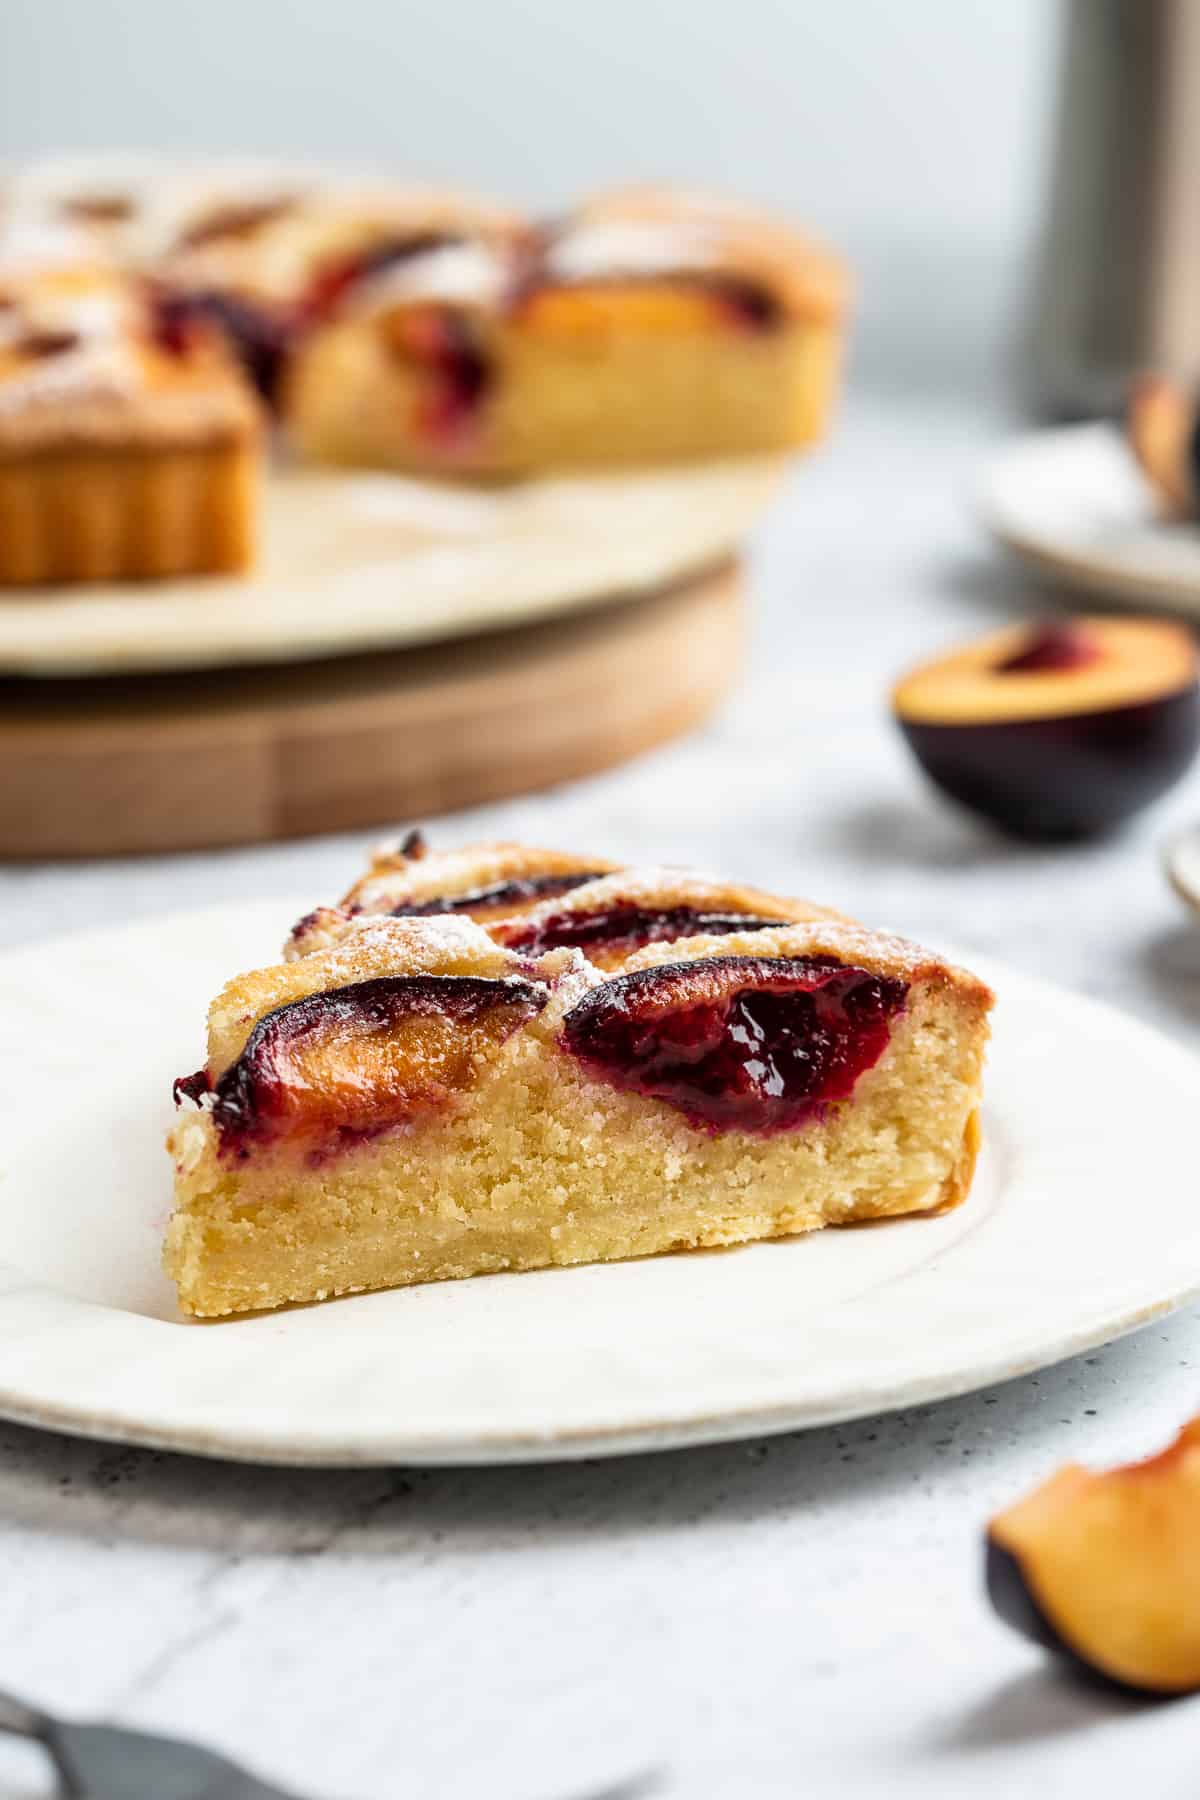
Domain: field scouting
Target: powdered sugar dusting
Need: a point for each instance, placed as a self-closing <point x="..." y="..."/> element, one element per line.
<point x="609" y="247"/>
<point x="466" y="274"/>
<point x="99" y="369"/>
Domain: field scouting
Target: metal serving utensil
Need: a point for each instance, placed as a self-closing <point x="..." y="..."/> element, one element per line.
<point x="106" y="1762"/>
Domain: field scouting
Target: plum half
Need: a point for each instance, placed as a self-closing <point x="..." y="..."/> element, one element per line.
<point x="346" y="1063"/>
<point x="737" y="1043"/>
<point x="1059" y="730"/>
<point x="1103" y="1568"/>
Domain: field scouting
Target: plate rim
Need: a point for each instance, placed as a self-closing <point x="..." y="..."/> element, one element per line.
<point x="30" y="1308"/>
<point x="1074" y="569"/>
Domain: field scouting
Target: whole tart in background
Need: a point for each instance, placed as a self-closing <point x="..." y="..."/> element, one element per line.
<point x="419" y="1094"/>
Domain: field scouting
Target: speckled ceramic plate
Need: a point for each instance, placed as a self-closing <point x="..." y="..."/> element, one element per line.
<point x="356" y="561"/>
<point x="1073" y="503"/>
<point x="1082" y="1225"/>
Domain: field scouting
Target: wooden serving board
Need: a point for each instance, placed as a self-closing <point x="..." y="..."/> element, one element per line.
<point x="147" y="763"/>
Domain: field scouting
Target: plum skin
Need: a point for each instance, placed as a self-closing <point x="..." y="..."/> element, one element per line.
<point x="1076" y="775"/>
<point x="1013" y="1600"/>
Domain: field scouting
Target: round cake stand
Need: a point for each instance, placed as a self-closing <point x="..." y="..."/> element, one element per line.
<point x="149" y="763"/>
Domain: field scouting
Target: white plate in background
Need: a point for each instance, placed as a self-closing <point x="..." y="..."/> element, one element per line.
<point x="1073" y="503"/>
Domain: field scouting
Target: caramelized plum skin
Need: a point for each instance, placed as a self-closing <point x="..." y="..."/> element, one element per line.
<point x="349" y="1062"/>
<point x="626" y="928"/>
<point x="739" y="1043"/>
<point x="504" y="894"/>
<point x="1058" y="779"/>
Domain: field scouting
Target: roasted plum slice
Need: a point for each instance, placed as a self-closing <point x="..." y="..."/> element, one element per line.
<point x="737" y="1043"/>
<point x="1060" y="730"/>
<point x="613" y="932"/>
<point x="502" y="897"/>
<point x="260" y="336"/>
<point x="1102" y="1568"/>
<point x="352" y="1061"/>
<point x="447" y="346"/>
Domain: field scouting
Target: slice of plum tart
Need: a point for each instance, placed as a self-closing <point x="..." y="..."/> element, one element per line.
<point x="416" y="1101"/>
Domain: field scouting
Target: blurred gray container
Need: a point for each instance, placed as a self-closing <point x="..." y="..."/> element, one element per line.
<point x="1117" y="287"/>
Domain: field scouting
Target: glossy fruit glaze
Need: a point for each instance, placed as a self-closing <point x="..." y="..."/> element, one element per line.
<point x="740" y="1043"/>
<point x="350" y="1062"/>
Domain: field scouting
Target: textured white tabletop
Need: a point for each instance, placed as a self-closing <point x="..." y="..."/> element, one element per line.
<point x="795" y="1616"/>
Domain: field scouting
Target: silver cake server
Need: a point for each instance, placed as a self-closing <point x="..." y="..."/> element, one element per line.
<point x="106" y="1762"/>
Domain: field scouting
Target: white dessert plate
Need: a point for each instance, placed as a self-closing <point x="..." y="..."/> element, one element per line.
<point x="1082" y="1225"/>
<point x="1073" y="503"/>
<point x="354" y="562"/>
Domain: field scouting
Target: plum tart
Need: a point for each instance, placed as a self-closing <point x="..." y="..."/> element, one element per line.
<point x="418" y="1101"/>
<point x="647" y="327"/>
<point x="125" y="451"/>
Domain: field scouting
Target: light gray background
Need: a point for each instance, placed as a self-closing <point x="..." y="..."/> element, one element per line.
<point x="910" y="135"/>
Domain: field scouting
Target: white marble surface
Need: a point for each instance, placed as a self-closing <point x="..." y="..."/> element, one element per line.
<point x="796" y="1616"/>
